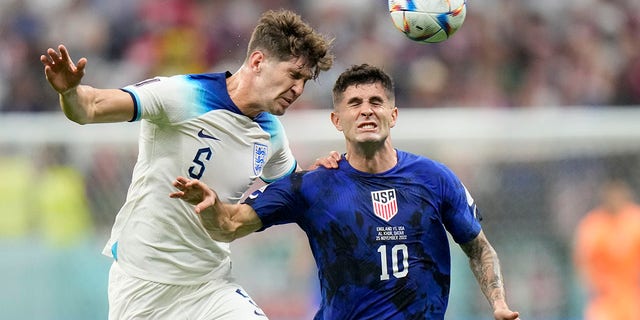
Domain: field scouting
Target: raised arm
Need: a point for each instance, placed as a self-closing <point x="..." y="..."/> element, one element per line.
<point x="485" y="266"/>
<point x="223" y="222"/>
<point x="81" y="103"/>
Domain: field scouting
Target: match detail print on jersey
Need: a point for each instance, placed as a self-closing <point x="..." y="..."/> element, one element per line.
<point x="385" y="204"/>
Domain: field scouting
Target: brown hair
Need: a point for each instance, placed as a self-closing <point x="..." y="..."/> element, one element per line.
<point x="362" y="74"/>
<point x="284" y="34"/>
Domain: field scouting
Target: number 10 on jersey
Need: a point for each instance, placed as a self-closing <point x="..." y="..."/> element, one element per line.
<point x="399" y="254"/>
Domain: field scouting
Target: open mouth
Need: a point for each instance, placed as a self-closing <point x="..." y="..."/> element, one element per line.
<point x="367" y="126"/>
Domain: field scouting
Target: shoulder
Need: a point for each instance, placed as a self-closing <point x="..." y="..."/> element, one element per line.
<point x="272" y="125"/>
<point x="632" y="214"/>
<point x="318" y="176"/>
<point x="423" y="165"/>
<point x="412" y="158"/>
<point x="203" y="77"/>
<point x="318" y="173"/>
<point x="176" y="83"/>
<point x="205" y="82"/>
<point x="430" y="173"/>
<point x="269" y="122"/>
<point x="593" y="219"/>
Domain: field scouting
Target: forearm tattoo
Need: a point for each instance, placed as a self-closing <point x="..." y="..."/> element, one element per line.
<point x="485" y="266"/>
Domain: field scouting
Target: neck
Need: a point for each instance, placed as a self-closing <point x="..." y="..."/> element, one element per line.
<point x="239" y="91"/>
<point x="372" y="159"/>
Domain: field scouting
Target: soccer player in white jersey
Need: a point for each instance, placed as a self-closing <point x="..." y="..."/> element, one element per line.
<point x="216" y="127"/>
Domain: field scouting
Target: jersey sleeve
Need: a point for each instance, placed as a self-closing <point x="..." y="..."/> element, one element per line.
<point x="164" y="99"/>
<point x="279" y="202"/>
<point x="282" y="162"/>
<point x="460" y="215"/>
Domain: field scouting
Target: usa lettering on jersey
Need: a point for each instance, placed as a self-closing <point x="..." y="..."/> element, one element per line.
<point x="259" y="157"/>
<point x="385" y="204"/>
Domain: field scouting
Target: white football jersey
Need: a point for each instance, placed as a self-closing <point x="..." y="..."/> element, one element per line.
<point x="190" y="127"/>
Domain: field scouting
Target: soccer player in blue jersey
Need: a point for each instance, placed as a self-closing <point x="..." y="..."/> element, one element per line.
<point x="216" y="127"/>
<point x="377" y="225"/>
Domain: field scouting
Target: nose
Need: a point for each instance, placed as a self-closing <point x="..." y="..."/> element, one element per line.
<point x="298" y="87"/>
<point x="366" y="110"/>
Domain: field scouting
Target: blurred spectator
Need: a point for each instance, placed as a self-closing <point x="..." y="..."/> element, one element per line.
<point x="16" y="210"/>
<point x="60" y="202"/>
<point x="507" y="54"/>
<point x="607" y="255"/>
<point x="51" y="268"/>
<point x="19" y="78"/>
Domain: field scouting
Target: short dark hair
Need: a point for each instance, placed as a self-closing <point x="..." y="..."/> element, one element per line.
<point x="284" y="34"/>
<point x="362" y="74"/>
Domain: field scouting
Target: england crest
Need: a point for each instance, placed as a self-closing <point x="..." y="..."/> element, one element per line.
<point x="259" y="157"/>
<point x="385" y="204"/>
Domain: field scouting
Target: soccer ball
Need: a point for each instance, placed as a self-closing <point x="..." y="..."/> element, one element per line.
<point x="428" y="20"/>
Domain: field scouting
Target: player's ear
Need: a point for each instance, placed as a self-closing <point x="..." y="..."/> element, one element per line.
<point x="335" y="119"/>
<point x="394" y="117"/>
<point x="255" y="60"/>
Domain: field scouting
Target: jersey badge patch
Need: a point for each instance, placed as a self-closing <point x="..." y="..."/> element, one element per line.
<point x="259" y="157"/>
<point x="385" y="204"/>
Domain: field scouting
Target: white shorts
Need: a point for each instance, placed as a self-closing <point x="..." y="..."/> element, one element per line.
<point x="132" y="298"/>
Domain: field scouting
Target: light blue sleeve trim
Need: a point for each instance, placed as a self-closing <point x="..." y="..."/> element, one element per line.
<point x="292" y="170"/>
<point x="114" y="251"/>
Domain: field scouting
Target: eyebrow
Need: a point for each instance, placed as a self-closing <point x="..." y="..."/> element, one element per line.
<point x="376" y="99"/>
<point x="354" y="100"/>
<point x="371" y="99"/>
<point x="302" y="73"/>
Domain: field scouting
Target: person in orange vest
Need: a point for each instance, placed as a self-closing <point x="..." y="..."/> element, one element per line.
<point x="607" y="255"/>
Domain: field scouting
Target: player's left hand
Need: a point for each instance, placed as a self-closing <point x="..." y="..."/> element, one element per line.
<point x="506" y="314"/>
<point x="330" y="162"/>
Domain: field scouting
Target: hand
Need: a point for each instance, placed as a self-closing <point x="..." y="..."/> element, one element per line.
<point x="194" y="192"/>
<point x="506" y="314"/>
<point x="61" y="72"/>
<point x="330" y="162"/>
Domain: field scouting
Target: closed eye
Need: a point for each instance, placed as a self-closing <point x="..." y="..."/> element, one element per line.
<point x="376" y="101"/>
<point x="297" y="75"/>
<point x="354" y="102"/>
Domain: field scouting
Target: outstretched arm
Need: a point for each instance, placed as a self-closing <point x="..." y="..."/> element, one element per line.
<point x="80" y="103"/>
<point x="223" y="222"/>
<point x="485" y="266"/>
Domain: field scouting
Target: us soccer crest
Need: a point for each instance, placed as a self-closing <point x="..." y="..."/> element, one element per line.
<point x="385" y="204"/>
<point x="259" y="157"/>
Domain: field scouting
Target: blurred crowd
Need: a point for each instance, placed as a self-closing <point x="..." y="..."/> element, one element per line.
<point x="542" y="53"/>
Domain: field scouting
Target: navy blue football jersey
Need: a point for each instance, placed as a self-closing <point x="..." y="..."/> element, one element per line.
<point x="379" y="240"/>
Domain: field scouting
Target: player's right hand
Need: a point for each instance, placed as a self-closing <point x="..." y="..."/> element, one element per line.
<point x="61" y="72"/>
